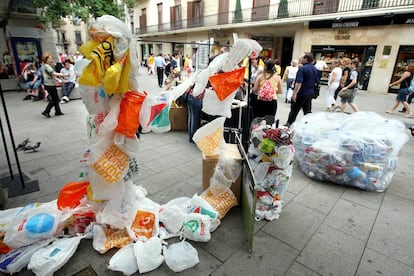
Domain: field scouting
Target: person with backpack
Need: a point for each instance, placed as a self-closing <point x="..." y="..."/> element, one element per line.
<point x="349" y="89"/>
<point x="265" y="89"/>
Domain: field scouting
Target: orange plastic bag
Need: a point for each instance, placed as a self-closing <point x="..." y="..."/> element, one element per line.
<point x="226" y="83"/>
<point x="128" y="118"/>
<point x="71" y="194"/>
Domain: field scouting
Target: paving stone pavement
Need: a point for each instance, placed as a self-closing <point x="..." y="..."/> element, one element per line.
<point x="324" y="229"/>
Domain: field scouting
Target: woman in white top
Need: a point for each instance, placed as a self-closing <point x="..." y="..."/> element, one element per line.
<point x="290" y="75"/>
<point x="333" y="84"/>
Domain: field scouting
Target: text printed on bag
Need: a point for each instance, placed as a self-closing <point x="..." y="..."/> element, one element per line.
<point x="112" y="164"/>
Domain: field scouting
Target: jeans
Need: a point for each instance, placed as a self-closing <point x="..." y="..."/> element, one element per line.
<point x="67" y="87"/>
<point x="194" y="115"/>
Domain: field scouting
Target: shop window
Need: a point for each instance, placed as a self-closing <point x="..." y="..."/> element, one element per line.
<point x="405" y="56"/>
<point x="365" y="54"/>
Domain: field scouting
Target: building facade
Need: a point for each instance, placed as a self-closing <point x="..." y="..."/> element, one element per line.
<point x="377" y="32"/>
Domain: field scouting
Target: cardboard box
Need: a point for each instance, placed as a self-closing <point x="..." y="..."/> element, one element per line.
<point x="178" y="117"/>
<point x="210" y="162"/>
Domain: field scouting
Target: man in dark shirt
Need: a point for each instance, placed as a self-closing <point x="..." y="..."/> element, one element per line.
<point x="306" y="80"/>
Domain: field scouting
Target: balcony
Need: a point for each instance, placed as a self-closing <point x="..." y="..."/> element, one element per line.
<point x="281" y="11"/>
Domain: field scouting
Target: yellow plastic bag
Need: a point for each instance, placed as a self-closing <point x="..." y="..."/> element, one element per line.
<point x="113" y="75"/>
<point x="102" y="58"/>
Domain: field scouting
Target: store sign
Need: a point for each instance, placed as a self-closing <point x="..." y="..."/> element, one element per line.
<point x="343" y="35"/>
<point x="404" y="19"/>
<point x="353" y="24"/>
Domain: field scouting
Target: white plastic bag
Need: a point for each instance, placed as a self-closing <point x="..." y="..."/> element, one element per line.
<point x="31" y="225"/>
<point x="148" y="254"/>
<point x="17" y="259"/>
<point x="213" y="106"/>
<point x="124" y="260"/>
<point x="180" y="256"/>
<point x="201" y="80"/>
<point x="197" y="227"/>
<point x="95" y="99"/>
<point x="120" y="210"/>
<point x="289" y="94"/>
<point x="172" y="218"/>
<point x="50" y="259"/>
<point x="209" y="138"/>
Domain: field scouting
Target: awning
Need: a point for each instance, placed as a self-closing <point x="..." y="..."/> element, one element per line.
<point x="23" y="32"/>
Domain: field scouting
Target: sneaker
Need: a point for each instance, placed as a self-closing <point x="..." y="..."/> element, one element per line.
<point x="59" y="114"/>
<point x="62" y="102"/>
<point x="27" y="97"/>
<point x="65" y="99"/>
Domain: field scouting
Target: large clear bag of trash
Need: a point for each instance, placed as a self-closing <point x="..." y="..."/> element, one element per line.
<point x="359" y="150"/>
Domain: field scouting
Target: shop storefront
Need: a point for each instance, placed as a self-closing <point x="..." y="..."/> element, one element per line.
<point x="405" y="56"/>
<point x="365" y="54"/>
<point x="383" y="44"/>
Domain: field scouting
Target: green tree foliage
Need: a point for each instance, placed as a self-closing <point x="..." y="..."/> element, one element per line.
<point x="54" y="11"/>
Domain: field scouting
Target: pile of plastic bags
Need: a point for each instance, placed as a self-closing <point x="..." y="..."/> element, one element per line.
<point x="359" y="150"/>
<point x="270" y="154"/>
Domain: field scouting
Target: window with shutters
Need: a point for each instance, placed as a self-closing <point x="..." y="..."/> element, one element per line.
<point x="260" y="10"/>
<point x="143" y="21"/>
<point x="175" y="17"/>
<point x="223" y="12"/>
<point x="194" y="13"/>
<point x="160" y="25"/>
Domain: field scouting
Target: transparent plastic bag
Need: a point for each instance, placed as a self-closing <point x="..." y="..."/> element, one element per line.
<point x="347" y="150"/>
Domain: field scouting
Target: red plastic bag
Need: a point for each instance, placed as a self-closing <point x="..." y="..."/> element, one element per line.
<point x="128" y="119"/>
<point x="71" y="194"/>
<point x="226" y="83"/>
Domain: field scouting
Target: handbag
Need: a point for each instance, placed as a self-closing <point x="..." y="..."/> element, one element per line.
<point x="345" y="94"/>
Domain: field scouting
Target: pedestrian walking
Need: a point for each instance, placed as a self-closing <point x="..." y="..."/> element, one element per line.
<point x="406" y="88"/>
<point x="305" y="82"/>
<point x="49" y="79"/>
<point x="351" y="86"/>
<point x="159" y="62"/>
<point x="333" y="84"/>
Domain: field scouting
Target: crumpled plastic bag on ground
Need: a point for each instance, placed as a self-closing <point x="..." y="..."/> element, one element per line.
<point x="16" y="260"/>
<point x="148" y="254"/>
<point x="50" y="259"/>
<point x="124" y="260"/>
<point x="180" y="256"/>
